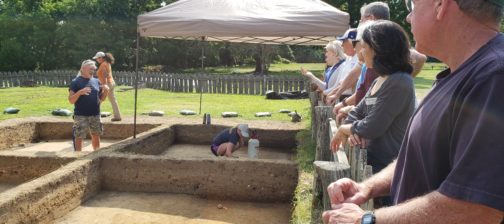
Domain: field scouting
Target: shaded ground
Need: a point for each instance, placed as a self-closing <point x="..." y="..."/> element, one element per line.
<point x="62" y="147"/>
<point x="203" y="151"/>
<point x="4" y="187"/>
<point x="125" y="207"/>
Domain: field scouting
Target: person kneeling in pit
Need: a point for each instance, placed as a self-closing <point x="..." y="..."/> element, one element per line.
<point x="229" y="140"/>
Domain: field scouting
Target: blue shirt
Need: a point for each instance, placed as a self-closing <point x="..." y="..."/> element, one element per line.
<point x="361" y="76"/>
<point x="226" y="136"/>
<point x="454" y="143"/>
<point x="86" y="105"/>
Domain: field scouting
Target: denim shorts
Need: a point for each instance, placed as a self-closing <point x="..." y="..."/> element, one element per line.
<point x="84" y="124"/>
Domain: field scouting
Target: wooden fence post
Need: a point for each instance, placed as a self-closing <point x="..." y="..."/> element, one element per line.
<point x="323" y="113"/>
<point x="328" y="173"/>
<point x="313" y="104"/>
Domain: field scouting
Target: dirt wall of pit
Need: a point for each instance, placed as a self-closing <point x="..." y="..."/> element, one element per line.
<point x="204" y="134"/>
<point x="28" y="132"/>
<point x="51" y="196"/>
<point x="239" y="179"/>
<point x="152" y="142"/>
<point x="12" y="135"/>
<point x="63" y="130"/>
<point x="19" y="169"/>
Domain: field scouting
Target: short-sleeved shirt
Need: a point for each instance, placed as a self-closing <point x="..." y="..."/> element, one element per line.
<point x="342" y="72"/>
<point x="455" y="140"/>
<point x="86" y="105"/>
<point x="226" y="136"/>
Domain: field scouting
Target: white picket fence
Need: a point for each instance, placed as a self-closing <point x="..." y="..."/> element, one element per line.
<point x="188" y="83"/>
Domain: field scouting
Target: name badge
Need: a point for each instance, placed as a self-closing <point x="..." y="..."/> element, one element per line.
<point x="370" y="101"/>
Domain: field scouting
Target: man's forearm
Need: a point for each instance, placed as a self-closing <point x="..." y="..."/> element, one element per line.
<point x="350" y="100"/>
<point x="73" y="97"/>
<point x="438" y="208"/>
<point x="379" y="184"/>
<point x="351" y="78"/>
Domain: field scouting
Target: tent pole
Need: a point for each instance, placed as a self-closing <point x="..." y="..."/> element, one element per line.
<point x="136" y="83"/>
<point x="202" y="70"/>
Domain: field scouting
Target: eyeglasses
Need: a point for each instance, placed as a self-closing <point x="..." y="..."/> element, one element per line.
<point x="410" y="5"/>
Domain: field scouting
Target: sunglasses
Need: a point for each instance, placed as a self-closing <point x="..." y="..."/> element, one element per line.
<point x="410" y="5"/>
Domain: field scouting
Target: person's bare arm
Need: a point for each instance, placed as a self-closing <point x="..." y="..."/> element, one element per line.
<point x="73" y="97"/>
<point x="320" y="84"/>
<point x="104" y="89"/>
<point x="348" y="82"/>
<point x="348" y="191"/>
<point x="430" y="208"/>
<point x="438" y="208"/>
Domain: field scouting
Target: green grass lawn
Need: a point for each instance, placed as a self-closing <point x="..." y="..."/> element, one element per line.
<point x="40" y="101"/>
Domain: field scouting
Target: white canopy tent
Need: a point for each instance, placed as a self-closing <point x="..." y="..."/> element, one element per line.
<point x="292" y="22"/>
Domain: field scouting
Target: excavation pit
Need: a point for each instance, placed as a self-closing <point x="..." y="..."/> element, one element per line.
<point x="54" y="139"/>
<point x="166" y="175"/>
<point x="134" y="207"/>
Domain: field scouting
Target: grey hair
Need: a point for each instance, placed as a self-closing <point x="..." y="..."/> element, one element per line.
<point x="380" y="10"/>
<point x="482" y="10"/>
<point x="84" y="64"/>
<point x="335" y="46"/>
<point x="87" y="62"/>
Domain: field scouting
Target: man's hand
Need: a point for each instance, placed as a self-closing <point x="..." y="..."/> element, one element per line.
<point x="346" y="190"/>
<point x="84" y="91"/>
<point x="355" y="139"/>
<point x="305" y="72"/>
<point x="343" y="213"/>
<point x="343" y="114"/>
<point x="105" y="87"/>
<point x="337" y="108"/>
<point x="336" y="141"/>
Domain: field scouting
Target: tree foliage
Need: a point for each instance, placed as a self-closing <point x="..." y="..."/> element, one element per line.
<point x="59" y="34"/>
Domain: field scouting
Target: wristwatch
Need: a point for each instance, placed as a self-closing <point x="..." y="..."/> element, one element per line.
<point x="343" y="102"/>
<point x="368" y="218"/>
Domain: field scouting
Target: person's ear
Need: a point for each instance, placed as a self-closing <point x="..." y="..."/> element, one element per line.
<point x="441" y="6"/>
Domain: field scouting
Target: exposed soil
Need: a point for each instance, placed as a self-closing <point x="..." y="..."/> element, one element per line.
<point x="81" y="179"/>
<point x="125" y="207"/>
<point x="62" y="147"/>
<point x="203" y="151"/>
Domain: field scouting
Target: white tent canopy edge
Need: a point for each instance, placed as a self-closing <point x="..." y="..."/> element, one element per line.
<point x="292" y="22"/>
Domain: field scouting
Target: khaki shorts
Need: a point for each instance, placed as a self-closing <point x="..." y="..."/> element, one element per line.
<point x="84" y="124"/>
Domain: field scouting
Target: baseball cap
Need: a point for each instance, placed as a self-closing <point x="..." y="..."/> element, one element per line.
<point x="99" y="54"/>
<point x="244" y="130"/>
<point x="349" y="34"/>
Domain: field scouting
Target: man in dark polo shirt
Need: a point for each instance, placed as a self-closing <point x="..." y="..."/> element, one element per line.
<point x="86" y="93"/>
<point x="449" y="168"/>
